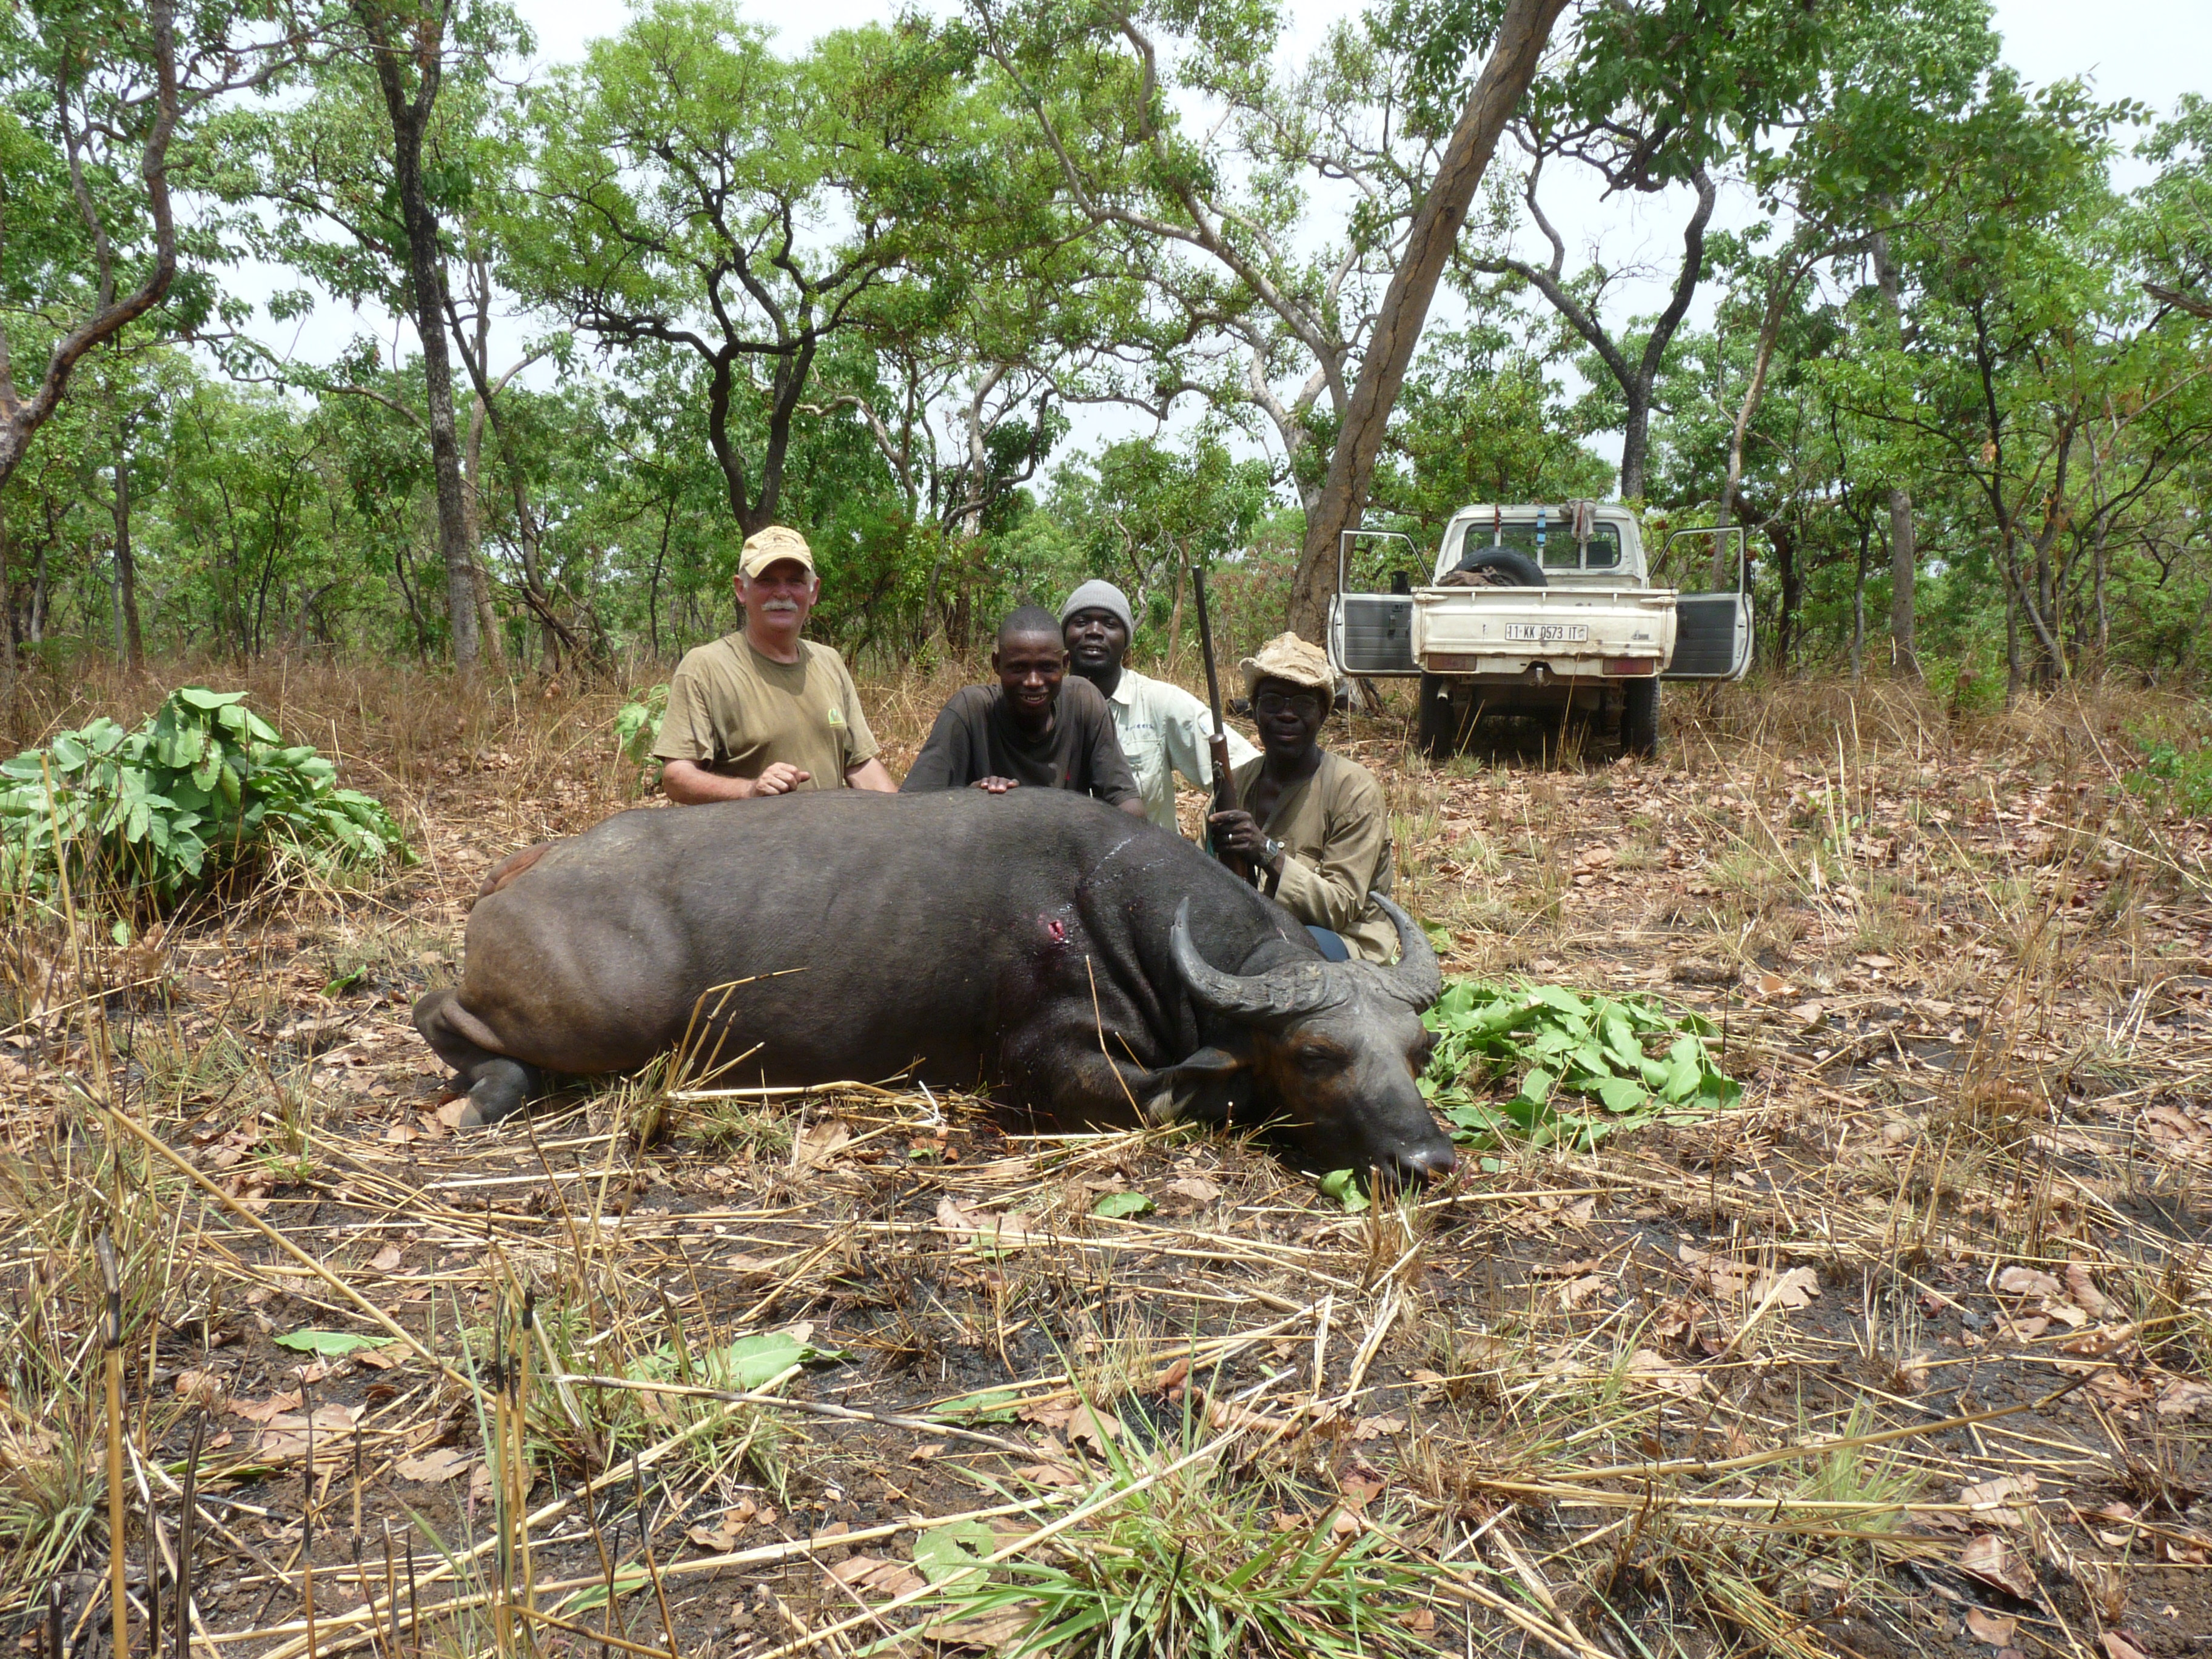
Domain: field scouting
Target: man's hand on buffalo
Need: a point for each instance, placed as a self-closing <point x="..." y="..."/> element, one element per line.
<point x="996" y="786"/>
<point x="780" y="779"/>
<point x="1238" y="831"/>
<point x="689" y="784"/>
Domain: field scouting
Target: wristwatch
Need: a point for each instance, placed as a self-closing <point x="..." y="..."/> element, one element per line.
<point x="1270" y="850"/>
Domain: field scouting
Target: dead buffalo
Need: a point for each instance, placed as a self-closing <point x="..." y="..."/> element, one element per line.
<point x="1035" y="945"/>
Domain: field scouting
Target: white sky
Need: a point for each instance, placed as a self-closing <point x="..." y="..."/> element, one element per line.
<point x="2149" y="50"/>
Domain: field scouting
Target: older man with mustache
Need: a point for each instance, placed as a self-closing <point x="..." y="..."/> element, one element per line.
<point x="761" y="711"/>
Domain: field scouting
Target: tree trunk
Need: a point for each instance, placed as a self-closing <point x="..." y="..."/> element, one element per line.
<point x="2012" y="626"/>
<point x="1175" y="618"/>
<point x="1792" y="599"/>
<point x="1770" y="331"/>
<point x="1903" y="556"/>
<point x="21" y="417"/>
<point x="1513" y="59"/>
<point x="1858" y="608"/>
<point x="126" y="563"/>
<point x="8" y="655"/>
<point x="426" y="274"/>
<point x="6" y="606"/>
<point x="480" y="579"/>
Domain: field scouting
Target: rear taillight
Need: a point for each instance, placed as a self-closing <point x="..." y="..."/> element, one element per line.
<point x="1616" y="667"/>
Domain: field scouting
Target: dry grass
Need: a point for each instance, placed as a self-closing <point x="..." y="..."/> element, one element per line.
<point x="1729" y="1388"/>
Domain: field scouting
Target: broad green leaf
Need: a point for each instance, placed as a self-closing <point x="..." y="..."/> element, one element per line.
<point x="1564" y="1000"/>
<point x="990" y="1406"/>
<point x="200" y="698"/>
<point x="1343" y="1186"/>
<point x="953" y="1549"/>
<point x="330" y="1345"/>
<point x="753" y="1360"/>
<point x="1116" y="1207"/>
<point x="1621" y="1094"/>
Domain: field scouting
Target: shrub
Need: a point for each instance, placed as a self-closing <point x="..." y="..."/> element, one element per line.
<point x="637" y="728"/>
<point x="204" y="789"/>
<point x="2172" y="775"/>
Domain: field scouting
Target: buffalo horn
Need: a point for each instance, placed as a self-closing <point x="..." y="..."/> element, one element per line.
<point x="1280" y="993"/>
<point x="1418" y="978"/>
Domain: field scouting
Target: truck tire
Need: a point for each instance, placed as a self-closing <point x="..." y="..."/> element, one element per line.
<point x="1437" y="727"/>
<point x="1639" y="716"/>
<point x="1519" y="569"/>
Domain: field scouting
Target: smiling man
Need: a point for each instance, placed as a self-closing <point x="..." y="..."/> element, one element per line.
<point x="1314" y="824"/>
<point x="1162" y="728"/>
<point x="761" y="711"/>
<point x="1035" y="727"/>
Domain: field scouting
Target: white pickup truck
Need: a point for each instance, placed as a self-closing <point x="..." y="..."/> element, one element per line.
<point x="1533" y="609"/>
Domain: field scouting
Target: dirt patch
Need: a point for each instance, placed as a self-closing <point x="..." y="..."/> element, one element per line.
<point x="1905" y="1354"/>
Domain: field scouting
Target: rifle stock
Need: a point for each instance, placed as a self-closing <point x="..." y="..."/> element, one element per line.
<point x="1225" y="787"/>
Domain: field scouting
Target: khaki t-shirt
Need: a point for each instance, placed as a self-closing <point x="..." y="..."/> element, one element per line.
<point x="1335" y="830"/>
<point x="736" y="713"/>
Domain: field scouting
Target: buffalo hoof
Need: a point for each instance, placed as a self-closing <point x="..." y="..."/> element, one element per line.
<point x="498" y="1089"/>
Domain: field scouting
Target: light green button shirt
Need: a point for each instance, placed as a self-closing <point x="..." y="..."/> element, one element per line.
<point x="1163" y="731"/>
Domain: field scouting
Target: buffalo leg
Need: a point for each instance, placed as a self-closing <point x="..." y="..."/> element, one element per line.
<point x="1088" y="1088"/>
<point x="496" y="1086"/>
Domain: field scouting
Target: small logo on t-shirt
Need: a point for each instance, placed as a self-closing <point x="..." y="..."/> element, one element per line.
<point x="836" y="715"/>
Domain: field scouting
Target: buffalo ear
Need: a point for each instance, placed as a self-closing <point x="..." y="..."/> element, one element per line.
<point x="1208" y="1087"/>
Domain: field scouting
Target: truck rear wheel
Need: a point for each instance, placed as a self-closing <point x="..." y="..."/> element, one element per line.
<point x="1437" y="727"/>
<point x="1639" y="716"/>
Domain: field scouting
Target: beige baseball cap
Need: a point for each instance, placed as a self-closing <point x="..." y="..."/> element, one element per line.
<point x="1287" y="657"/>
<point x="764" y="547"/>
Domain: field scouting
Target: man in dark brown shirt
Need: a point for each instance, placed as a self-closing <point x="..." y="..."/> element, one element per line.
<point x="1035" y="727"/>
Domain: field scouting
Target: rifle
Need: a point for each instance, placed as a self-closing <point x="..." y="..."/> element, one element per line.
<point x="1224" y="787"/>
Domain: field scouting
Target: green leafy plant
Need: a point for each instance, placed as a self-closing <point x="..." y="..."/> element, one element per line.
<point x="204" y="788"/>
<point x="1191" y="1564"/>
<point x="637" y="725"/>
<point x="1588" y="1065"/>
<point x="2171" y="774"/>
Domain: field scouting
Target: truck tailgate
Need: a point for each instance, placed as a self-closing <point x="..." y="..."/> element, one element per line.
<point x="1501" y="630"/>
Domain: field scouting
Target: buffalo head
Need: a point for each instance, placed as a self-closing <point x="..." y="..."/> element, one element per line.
<point x="1331" y="1048"/>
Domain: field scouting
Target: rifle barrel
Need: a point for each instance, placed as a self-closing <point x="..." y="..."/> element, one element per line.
<point x="1205" y="645"/>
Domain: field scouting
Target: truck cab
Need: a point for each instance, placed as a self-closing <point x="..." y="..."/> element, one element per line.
<point x="1532" y="609"/>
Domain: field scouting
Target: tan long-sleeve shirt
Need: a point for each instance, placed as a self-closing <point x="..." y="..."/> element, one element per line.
<point x="1336" y="831"/>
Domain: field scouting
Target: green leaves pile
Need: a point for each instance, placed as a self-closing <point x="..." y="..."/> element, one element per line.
<point x="204" y="786"/>
<point x="1589" y="1066"/>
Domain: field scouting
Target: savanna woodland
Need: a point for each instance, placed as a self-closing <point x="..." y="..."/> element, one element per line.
<point x="1824" y="1272"/>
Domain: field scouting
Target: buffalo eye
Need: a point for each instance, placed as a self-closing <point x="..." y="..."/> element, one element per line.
<point x="1323" y="1062"/>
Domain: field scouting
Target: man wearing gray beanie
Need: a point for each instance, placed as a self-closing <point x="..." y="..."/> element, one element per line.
<point x="1162" y="728"/>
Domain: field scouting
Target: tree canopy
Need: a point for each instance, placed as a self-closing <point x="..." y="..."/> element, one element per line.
<point x="990" y="301"/>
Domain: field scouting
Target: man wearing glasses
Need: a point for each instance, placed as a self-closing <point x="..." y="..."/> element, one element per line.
<point x="1313" y="824"/>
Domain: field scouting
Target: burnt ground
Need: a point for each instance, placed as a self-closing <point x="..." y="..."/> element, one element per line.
<point x="1732" y="1385"/>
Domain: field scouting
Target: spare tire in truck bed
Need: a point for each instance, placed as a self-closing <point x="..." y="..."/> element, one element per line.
<point x="1496" y="567"/>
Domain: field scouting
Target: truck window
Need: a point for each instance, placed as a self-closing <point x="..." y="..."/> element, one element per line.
<point x="1559" y="551"/>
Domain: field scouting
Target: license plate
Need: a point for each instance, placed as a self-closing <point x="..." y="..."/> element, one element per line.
<point x="1542" y="632"/>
